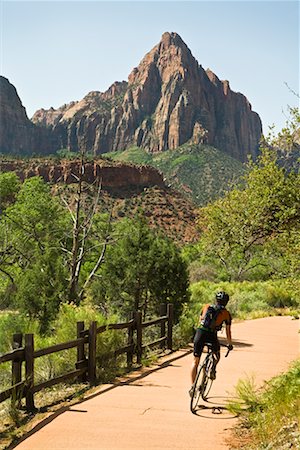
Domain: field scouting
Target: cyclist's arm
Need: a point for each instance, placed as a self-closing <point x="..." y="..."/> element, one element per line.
<point x="201" y="315"/>
<point x="228" y="334"/>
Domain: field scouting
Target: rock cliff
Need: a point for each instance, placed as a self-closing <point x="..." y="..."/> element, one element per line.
<point x="126" y="191"/>
<point x="16" y="130"/>
<point x="168" y="100"/>
<point x="18" y="135"/>
<point x="113" y="176"/>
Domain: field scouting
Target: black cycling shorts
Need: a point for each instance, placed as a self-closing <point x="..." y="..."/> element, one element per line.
<point x="200" y="339"/>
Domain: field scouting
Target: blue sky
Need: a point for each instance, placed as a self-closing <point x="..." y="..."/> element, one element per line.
<point x="55" y="52"/>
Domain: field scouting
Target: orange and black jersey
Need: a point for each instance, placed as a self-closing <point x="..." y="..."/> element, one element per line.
<point x="223" y="316"/>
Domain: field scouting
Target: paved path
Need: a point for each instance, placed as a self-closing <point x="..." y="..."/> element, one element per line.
<point x="150" y="409"/>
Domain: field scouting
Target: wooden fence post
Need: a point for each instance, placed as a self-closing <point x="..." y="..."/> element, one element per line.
<point x="139" y="343"/>
<point x="16" y="371"/>
<point x="92" y="352"/>
<point x="170" y="326"/>
<point x="162" y="312"/>
<point x="130" y="342"/>
<point x="80" y="352"/>
<point x="29" y="371"/>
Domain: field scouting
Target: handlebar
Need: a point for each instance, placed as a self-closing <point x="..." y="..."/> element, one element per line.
<point x="229" y="348"/>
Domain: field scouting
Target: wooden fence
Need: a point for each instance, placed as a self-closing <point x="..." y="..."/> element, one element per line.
<point x="86" y="344"/>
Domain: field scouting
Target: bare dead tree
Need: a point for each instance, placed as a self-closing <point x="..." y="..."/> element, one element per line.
<point x="82" y="226"/>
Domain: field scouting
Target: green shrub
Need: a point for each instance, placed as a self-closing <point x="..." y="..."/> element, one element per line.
<point x="63" y="329"/>
<point x="280" y="297"/>
<point x="248" y="300"/>
<point x="269" y="417"/>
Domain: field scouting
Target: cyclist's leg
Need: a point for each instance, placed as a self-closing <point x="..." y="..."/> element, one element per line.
<point x="195" y="365"/>
<point x="199" y="342"/>
<point x="217" y="355"/>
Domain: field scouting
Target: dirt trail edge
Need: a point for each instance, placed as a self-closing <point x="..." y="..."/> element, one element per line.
<point x="150" y="409"/>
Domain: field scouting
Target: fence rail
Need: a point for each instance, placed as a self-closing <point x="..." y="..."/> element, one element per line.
<point x="86" y="343"/>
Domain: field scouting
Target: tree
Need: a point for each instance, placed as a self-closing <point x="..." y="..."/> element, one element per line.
<point x="82" y="219"/>
<point x="44" y="246"/>
<point x="288" y="139"/>
<point x="9" y="187"/>
<point x="33" y="229"/>
<point x="141" y="271"/>
<point x="237" y="227"/>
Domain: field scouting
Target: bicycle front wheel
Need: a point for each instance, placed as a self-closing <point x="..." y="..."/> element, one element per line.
<point x="200" y="383"/>
<point x="206" y="381"/>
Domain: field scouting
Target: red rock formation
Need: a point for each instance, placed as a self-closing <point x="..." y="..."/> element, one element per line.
<point x="117" y="175"/>
<point x="169" y="99"/>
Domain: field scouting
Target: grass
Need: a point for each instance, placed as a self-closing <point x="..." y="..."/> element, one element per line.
<point x="252" y="299"/>
<point x="269" y="418"/>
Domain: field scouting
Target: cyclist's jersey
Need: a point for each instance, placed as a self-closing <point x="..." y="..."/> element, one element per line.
<point x="223" y="316"/>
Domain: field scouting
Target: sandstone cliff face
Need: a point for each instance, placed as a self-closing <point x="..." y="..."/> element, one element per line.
<point x="115" y="176"/>
<point x="169" y="99"/>
<point x="16" y="130"/>
<point x="17" y="133"/>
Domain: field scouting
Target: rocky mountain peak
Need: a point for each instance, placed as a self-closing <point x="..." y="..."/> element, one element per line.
<point x="170" y="57"/>
<point x="172" y="38"/>
<point x="169" y="100"/>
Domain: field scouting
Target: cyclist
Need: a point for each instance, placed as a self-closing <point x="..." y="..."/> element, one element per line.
<point x="204" y="335"/>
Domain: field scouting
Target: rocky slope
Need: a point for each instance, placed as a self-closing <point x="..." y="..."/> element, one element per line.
<point x="169" y="99"/>
<point x="126" y="191"/>
<point x="202" y="173"/>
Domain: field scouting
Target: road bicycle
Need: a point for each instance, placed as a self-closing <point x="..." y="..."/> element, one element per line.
<point x="203" y="382"/>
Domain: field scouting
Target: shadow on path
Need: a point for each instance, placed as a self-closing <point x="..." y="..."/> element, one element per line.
<point x="237" y="344"/>
<point x="130" y="379"/>
<point x="215" y="408"/>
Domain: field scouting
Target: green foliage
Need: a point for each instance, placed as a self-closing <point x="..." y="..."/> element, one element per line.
<point x="135" y="155"/>
<point x="31" y="259"/>
<point x="288" y="138"/>
<point x="240" y="229"/>
<point x="12" y="322"/>
<point x="64" y="153"/>
<point x="141" y="271"/>
<point x="63" y="329"/>
<point x="247" y="299"/>
<point x="270" y="417"/>
<point x="42" y="288"/>
<point x="9" y="187"/>
<point x="201" y="172"/>
<point x="247" y="397"/>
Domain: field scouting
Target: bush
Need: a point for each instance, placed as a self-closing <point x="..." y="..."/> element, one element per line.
<point x="248" y="300"/>
<point x="269" y="417"/>
<point x="63" y="330"/>
<point x="280" y="297"/>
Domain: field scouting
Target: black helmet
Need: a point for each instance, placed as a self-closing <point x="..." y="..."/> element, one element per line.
<point x="222" y="298"/>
